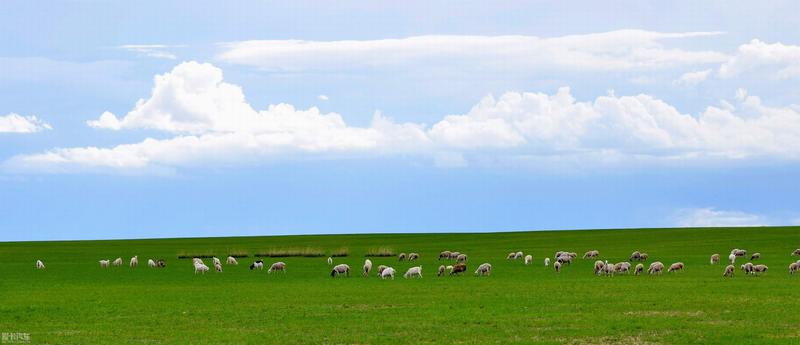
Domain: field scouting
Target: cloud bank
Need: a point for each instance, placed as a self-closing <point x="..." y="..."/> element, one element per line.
<point x="15" y="123"/>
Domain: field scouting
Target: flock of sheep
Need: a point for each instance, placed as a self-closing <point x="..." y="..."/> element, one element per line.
<point x="561" y="258"/>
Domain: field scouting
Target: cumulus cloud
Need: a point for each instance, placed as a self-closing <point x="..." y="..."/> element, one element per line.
<point x="779" y="61"/>
<point x="211" y="121"/>
<point x="609" y="51"/>
<point x="159" y="51"/>
<point x="322" y="97"/>
<point x="711" y="217"/>
<point x="693" y="78"/>
<point x="15" y="123"/>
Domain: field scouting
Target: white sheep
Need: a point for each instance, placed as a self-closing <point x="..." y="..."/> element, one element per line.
<point x="557" y="266"/>
<point x="518" y="255"/>
<point x="232" y="261"/>
<point x="591" y="254"/>
<point x="401" y="256"/>
<point x="715" y="259"/>
<point x="330" y="260"/>
<point x="461" y="258"/>
<point x="340" y="269"/>
<point x="134" y="261"/>
<point x="367" y="267"/>
<point x="546" y="262"/>
<point x="732" y="259"/>
<point x="278" y="266"/>
<point x="104" y="263"/>
<point x="599" y="267"/>
<point x="728" y="271"/>
<point x="759" y="269"/>
<point x="381" y="268"/>
<point x="793" y="267"/>
<point x="387" y="272"/>
<point x="413" y="272"/>
<point x="441" y="271"/>
<point x="622" y="267"/>
<point x="215" y="261"/>
<point x="510" y="256"/>
<point x="678" y="266"/>
<point x="484" y="269"/>
<point x="218" y="266"/>
<point x="413" y="256"/>
<point x="118" y="262"/>
<point x="200" y="267"/>
<point x="528" y="259"/>
<point x="257" y="265"/>
<point x="639" y="269"/>
<point x="151" y="263"/>
<point x="755" y="256"/>
<point x="656" y="268"/>
<point x="39" y="265"/>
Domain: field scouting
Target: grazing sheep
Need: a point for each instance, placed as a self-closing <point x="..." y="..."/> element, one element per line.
<point x="558" y="253"/>
<point x="218" y="266"/>
<point x="739" y="252"/>
<point x="151" y="263"/>
<point x="367" y="267"/>
<point x="622" y="267"/>
<point x="678" y="266"/>
<point x="449" y="268"/>
<point x="401" y="257"/>
<point x="760" y="269"/>
<point x="340" y="269"/>
<point x="635" y="256"/>
<point x="557" y="266"/>
<point x="732" y="259"/>
<point x="747" y="268"/>
<point x="461" y="258"/>
<point x="278" y="266"/>
<point x="161" y="263"/>
<point x="591" y="254"/>
<point x="656" y="268"/>
<point x="440" y="272"/>
<point x="518" y="255"/>
<point x="330" y="260"/>
<point x="643" y="257"/>
<point x="117" y="262"/>
<point x="232" y="261"/>
<point x="196" y="260"/>
<point x="565" y="259"/>
<point x="714" y="259"/>
<point x="381" y="268"/>
<point x="444" y="255"/>
<point x="528" y="259"/>
<point x="484" y="269"/>
<point x="793" y="267"/>
<point x="257" y="265"/>
<point x="388" y="272"/>
<point x="609" y="269"/>
<point x="134" y="261"/>
<point x="598" y="267"/>
<point x="215" y="261"/>
<point x="415" y="271"/>
<point x="639" y="269"/>
<point x="200" y="267"/>
<point x="546" y="262"/>
<point x="454" y="255"/>
<point x="728" y="271"/>
<point x="755" y="256"/>
<point x="39" y="265"/>
<point x="413" y="256"/>
<point x="458" y="269"/>
<point x="104" y="263"/>
<point x="510" y="256"/>
<point x="796" y="252"/>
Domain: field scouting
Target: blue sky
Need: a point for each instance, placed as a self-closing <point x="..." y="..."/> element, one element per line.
<point x="171" y="118"/>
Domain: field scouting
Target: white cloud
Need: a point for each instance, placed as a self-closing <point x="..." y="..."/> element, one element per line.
<point x="159" y="51"/>
<point x="212" y="122"/>
<point x="609" y="51"/>
<point x="693" y="78"/>
<point x="711" y="217"/>
<point x="15" y="123"/>
<point x="323" y="97"/>
<point x="777" y="60"/>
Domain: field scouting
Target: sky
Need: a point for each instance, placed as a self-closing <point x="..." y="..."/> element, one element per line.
<point x="206" y="118"/>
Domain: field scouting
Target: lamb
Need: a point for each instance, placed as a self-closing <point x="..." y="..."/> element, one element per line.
<point x="257" y="265"/>
<point x="518" y="255"/>
<point x="793" y="267"/>
<point x="330" y="260"/>
<point x="458" y="269"/>
<point x="413" y="256"/>
<point x="118" y="262"/>
<point x="714" y="259"/>
<point x="528" y="259"/>
<point x="367" y="267"/>
<point x="218" y="266"/>
<point x="510" y="256"/>
<point x="441" y="271"/>
<point x="484" y="269"/>
<point x="747" y="268"/>
<point x="678" y="266"/>
<point x="444" y="255"/>
<point x="591" y="254"/>
<point x="598" y="267"/>
<point x="340" y="269"/>
<point x="401" y="257"/>
<point x="656" y="268"/>
<point x="732" y="259"/>
<point x="232" y="261"/>
<point x="104" y="263"/>
<point x="415" y="271"/>
<point x="388" y="272"/>
<point x="39" y="265"/>
<point x="755" y="256"/>
<point x="134" y="261"/>
<point x="380" y="269"/>
<point x="151" y="263"/>
<point x="278" y="266"/>
<point x="557" y="266"/>
<point x="546" y="262"/>
<point x="461" y="258"/>
<point x="760" y="269"/>
<point x="728" y="271"/>
<point x="638" y="270"/>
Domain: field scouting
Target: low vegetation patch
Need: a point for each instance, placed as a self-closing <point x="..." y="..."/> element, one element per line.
<point x="289" y="252"/>
<point x="344" y="251"/>
<point x="380" y="251"/>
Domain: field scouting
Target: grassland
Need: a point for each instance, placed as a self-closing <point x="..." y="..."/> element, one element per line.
<point x="74" y="301"/>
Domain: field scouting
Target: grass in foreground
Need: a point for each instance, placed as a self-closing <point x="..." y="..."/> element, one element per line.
<point x="75" y="301"/>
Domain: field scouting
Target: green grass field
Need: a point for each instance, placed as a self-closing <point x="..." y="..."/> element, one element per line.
<point x="74" y="301"/>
